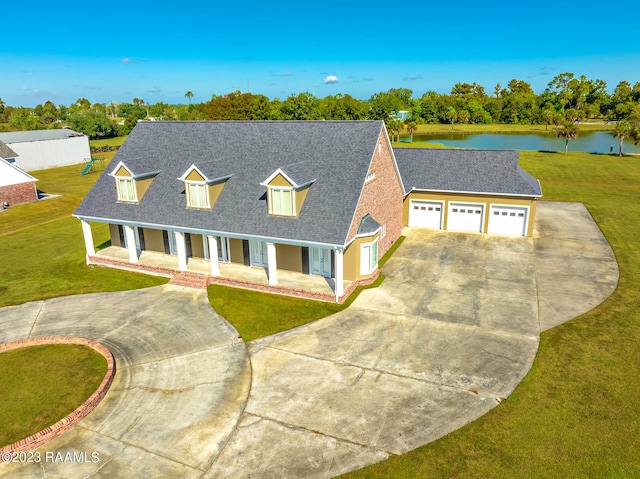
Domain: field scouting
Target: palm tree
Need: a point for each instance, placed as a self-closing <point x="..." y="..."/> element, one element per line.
<point x="188" y="96"/>
<point x="547" y="117"/>
<point x="452" y="115"/>
<point x="622" y="131"/>
<point x="412" y="126"/>
<point x="569" y="132"/>
<point x="464" y="116"/>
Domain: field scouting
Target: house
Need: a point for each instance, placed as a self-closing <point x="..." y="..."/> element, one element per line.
<point x="39" y="149"/>
<point x="290" y="200"/>
<point x="312" y="198"/>
<point x="16" y="186"/>
<point x="482" y="191"/>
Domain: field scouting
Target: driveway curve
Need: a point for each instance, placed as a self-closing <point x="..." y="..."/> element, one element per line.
<point x="182" y="381"/>
<point x="451" y="331"/>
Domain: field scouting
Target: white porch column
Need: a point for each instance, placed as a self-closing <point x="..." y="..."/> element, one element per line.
<point x="271" y="264"/>
<point x="182" y="250"/>
<point x="213" y="255"/>
<point x="88" y="238"/>
<point x="339" y="273"/>
<point x="130" y="236"/>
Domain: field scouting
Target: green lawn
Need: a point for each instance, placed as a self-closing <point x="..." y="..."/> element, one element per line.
<point x="43" y="384"/>
<point x="115" y="141"/>
<point x="256" y="315"/>
<point x="43" y="247"/>
<point x="577" y="413"/>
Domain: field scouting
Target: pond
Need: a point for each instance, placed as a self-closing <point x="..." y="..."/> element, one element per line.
<point x="590" y="142"/>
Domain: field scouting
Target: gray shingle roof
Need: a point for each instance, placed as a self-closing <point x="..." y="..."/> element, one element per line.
<point x="472" y="171"/>
<point x="335" y="153"/>
<point x="139" y="167"/>
<point x="37" y="135"/>
<point x="368" y="225"/>
<point x="6" y="152"/>
<point x="300" y="173"/>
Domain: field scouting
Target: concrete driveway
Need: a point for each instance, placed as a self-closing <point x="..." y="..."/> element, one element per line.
<point x="452" y="330"/>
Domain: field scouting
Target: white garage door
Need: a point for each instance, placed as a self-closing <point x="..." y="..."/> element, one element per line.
<point x="465" y="217"/>
<point x="508" y="220"/>
<point x="426" y="214"/>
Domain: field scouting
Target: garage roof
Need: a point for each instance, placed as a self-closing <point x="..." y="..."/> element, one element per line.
<point x="465" y="171"/>
<point x="37" y="135"/>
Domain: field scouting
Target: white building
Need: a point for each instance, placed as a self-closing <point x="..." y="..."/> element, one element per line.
<point x="39" y="149"/>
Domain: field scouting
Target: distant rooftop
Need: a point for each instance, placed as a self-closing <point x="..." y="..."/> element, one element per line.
<point x="37" y="135"/>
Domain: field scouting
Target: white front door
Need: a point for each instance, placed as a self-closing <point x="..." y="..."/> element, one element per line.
<point x="508" y="220"/>
<point x="223" y="248"/>
<point x="258" y="253"/>
<point x="465" y="217"/>
<point x="425" y="214"/>
<point x="320" y="261"/>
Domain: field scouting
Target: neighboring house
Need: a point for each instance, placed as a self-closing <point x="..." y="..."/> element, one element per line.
<point x="323" y="198"/>
<point x="468" y="190"/>
<point x="401" y="115"/>
<point x="39" y="149"/>
<point x="16" y="186"/>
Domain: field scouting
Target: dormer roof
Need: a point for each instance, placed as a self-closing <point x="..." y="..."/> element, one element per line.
<point x="210" y="171"/>
<point x="138" y="168"/>
<point x="299" y="174"/>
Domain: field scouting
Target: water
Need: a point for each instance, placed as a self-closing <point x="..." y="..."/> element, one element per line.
<point x="590" y="142"/>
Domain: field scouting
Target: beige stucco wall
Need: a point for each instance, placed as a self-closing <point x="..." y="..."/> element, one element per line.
<point x="142" y="186"/>
<point x="153" y="240"/>
<point x="235" y="251"/>
<point x="485" y="200"/>
<point x="289" y="257"/>
<point x="351" y="260"/>
<point x="194" y="176"/>
<point x="279" y="180"/>
<point x="115" y="236"/>
<point x="197" y="246"/>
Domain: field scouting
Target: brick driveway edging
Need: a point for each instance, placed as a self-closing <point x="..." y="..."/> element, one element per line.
<point x="47" y="434"/>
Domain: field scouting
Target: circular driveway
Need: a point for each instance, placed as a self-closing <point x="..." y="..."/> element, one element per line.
<point x="451" y="331"/>
<point x="182" y="380"/>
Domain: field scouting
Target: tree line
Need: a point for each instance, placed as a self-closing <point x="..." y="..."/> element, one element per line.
<point x="565" y="102"/>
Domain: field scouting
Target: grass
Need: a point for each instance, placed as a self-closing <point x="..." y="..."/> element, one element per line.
<point x="256" y="315"/>
<point x="437" y="129"/>
<point x="43" y="247"/>
<point x="43" y="384"/>
<point x="115" y="141"/>
<point x="576" y="412"/>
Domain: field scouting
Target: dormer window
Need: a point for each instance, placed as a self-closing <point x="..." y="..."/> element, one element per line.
<point x="133" y="179"/>
<point x="203" y="184"/>
<point x="126" y="190"/>
<point x="287" y="189"/>
<point x="197" y="195"/>
<point x="281" y="201"/>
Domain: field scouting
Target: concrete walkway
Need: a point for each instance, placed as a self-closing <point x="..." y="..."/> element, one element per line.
<point x="451" y="331"/>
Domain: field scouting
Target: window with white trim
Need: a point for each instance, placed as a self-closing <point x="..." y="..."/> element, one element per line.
<point x="197" y="195"/>
<point x="368" y="257"/>
<point x="370" y="176"/>
<point x="281" y="202"/>
<point x="126" y="189"/>
<point x="383" y="231"/>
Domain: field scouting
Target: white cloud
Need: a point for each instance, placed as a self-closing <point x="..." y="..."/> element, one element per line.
<point x="331" y="79"/>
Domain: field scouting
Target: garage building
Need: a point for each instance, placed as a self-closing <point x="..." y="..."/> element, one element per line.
<point x="482" y="191"/>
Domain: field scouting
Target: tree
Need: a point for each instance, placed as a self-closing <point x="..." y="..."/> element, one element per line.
<point x="412" y="126"/>
<point x="394" y="127"/>
<point x="622" y="131"/>
<point x="189" y="96"/>
<point x="569" y="132"/>
<point x="463" y="116"/>
<point x="303" y="106"/>
<point x="452" y="115"/>
<point x="547" y="116"/>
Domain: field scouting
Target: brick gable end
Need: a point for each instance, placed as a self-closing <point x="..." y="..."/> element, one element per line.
<point x="381" y="196"/>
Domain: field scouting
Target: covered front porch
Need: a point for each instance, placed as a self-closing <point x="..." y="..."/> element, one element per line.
<point x="232" y="274"/>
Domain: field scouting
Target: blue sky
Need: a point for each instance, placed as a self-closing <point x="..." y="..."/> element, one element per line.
<point x="142" y="49"/>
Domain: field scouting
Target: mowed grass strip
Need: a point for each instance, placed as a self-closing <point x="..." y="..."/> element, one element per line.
<point x="576" y="414"/>
<point x="43" y="384"/>
<point x="255" y="314"/>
